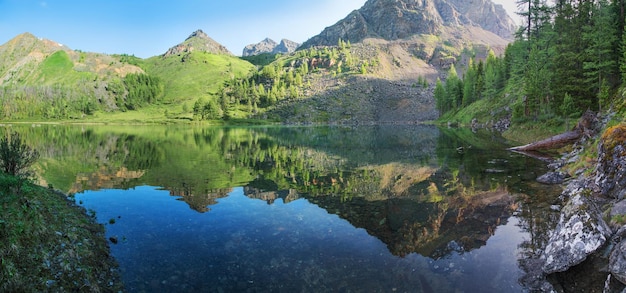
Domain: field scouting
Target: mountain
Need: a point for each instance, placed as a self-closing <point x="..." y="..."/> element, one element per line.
<point x="270" y="46"/>
<point x="198" y="41"/>
<point x="380" y="63"/>
<point x="488" y="15"/>
<point x="286" y="46"/>
<point x="400" y="19"/>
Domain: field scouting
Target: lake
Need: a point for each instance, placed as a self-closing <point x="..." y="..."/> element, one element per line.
<point x="406" y="208"/>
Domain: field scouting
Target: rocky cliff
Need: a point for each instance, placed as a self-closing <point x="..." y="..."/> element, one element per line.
<point x="400" y="19"/>
<point x="270" y="46"/>
<point x="198" y="41"/>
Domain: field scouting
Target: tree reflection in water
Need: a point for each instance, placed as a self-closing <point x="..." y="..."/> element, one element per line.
<point x="418" y="189"/>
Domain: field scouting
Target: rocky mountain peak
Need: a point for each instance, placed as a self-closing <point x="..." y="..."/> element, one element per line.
<point x="286" y="46"/>
<point x="199" y="34"/>
<point x="198" y="41"/>
<point x="399" y="19"/>
<point x="270" y="46"/>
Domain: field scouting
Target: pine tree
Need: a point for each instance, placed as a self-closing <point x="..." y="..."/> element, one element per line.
<point x="537" y="83"/>
<point x="536" y="14"/>
<point x="454" y="89"/>
<point x="441" y="97"/>
<point x="469" y="85"/>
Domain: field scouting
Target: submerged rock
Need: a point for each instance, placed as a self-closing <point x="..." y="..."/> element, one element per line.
<point x="552" y="178"/>
<point x="580" y="232"/>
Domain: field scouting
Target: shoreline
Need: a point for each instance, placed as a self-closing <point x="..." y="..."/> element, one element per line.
<point x="49" y="243"/>
<point x="589" y="238"/>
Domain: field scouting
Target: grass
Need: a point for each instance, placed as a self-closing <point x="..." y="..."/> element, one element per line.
<point x="196" y="74"/>
<point x="619" y="219"/>
<point x="56" y="64"/>
<point x="48" y="244"/>
<point x="58" y="68"/>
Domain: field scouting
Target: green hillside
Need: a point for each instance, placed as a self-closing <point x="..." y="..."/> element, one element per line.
<point x="194" y="75"/>
<point x="43" y="80"/>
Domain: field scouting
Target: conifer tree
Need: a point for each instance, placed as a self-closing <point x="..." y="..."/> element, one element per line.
<point x="454" y="89"/>
<point x="441" y="97"/>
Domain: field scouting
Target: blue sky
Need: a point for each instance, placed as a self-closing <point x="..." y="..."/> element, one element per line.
<point x="148" y="28"/>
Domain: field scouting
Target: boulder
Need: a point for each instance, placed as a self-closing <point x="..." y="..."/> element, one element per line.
<point x="580" y="232"/>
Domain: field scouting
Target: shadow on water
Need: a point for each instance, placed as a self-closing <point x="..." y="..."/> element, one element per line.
<point x="295" y="208"/>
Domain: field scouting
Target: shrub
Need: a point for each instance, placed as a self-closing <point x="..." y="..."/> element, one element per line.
<point x="15" y="156"/>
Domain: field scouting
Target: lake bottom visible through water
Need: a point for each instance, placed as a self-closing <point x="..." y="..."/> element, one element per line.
<point x="248" y="245"/>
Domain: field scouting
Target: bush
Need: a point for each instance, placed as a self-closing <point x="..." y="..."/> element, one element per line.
<point x="15" y="156"/>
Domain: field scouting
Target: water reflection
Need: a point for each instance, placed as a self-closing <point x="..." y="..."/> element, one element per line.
<point x="305" y="209"/>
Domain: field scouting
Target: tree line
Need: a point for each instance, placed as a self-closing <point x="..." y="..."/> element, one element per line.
<point x="67" y="101"/>
<point x="569" y="56"/>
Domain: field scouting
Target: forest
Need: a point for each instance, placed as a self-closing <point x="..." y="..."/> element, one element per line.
<point x="568" y="57"/>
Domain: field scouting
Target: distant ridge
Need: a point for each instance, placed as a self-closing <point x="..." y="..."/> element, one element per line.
<point x="198" y="41"/>
<point x="270" y="46"/>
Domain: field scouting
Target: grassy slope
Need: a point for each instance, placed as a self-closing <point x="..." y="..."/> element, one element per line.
<point x="197" y="74"/>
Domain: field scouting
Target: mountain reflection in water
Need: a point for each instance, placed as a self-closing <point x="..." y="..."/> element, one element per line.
<point x="380" y="208"/>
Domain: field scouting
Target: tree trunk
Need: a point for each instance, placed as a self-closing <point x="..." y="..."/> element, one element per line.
<point x="555" y="142"/>
<point x="584" y="127"/>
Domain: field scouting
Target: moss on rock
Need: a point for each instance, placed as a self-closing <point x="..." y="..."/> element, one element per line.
<point x="611" y="171"/>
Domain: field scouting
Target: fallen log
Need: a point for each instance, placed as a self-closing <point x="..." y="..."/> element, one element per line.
<point x="555" y="142"/>
<point x="584" y="127"/>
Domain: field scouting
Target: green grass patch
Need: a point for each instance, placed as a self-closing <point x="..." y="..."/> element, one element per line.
<point x="56" y="64"/>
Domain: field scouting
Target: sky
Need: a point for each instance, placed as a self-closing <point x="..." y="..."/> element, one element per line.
<point x="147" y="28"/>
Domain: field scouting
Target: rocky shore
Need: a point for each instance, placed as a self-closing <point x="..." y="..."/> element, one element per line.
<point x="592" y="223"/>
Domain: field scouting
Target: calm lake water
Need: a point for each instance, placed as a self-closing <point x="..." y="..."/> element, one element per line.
<point x="304" y="209"/>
